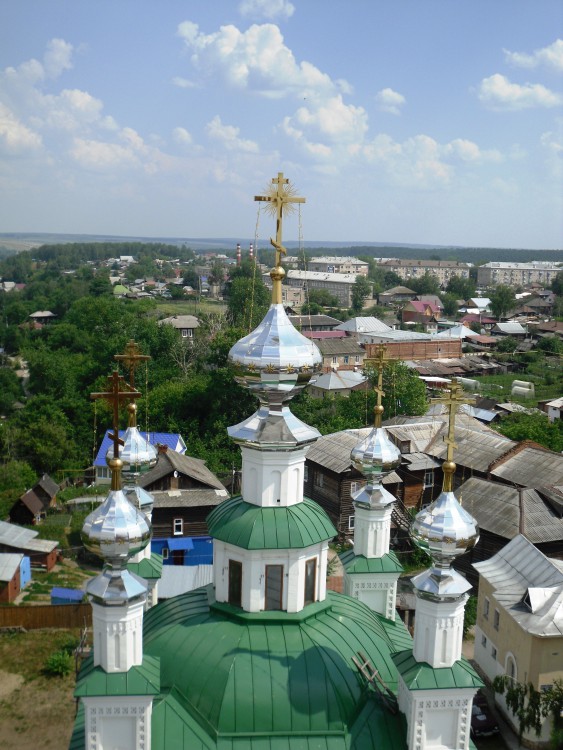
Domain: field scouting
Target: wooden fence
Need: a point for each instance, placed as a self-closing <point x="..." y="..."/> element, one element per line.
<point x="46" y="616"/>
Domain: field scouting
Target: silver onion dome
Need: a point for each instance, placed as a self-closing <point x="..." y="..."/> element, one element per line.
<point x="116" y="531"/>
<point x="275" y="357"/>
<point x="444" y="530"/>
<point x="137" y="454"/>
<point x="376" y="455"/>
<point x="140" y="498"/>
<point x="274" y="362"/>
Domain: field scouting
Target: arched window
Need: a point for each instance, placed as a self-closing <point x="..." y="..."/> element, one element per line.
<point x="510" y="666"/>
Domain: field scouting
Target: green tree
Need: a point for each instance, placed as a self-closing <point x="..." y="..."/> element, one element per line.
<point x="551" y="345"/>
<point x="323" y="298"/>
<point x="462" y="288"/>
<point x="248" y="302"/>
<point x="449" y="301"/>
<point x="535" y="427"/>
<point x="502" y="300"/>
<point x="361" y="291"/>
<point x="557" y="284"/>
<point x="427" y="284"/>
<point x="507" y="344"/>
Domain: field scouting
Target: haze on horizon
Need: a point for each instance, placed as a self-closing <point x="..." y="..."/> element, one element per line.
<point x="400" y="121"/>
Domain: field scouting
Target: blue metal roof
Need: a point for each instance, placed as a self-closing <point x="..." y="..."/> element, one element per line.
<point x="170" y="439"/>
<point x="75" y="595"/>
<point x="183" y="542"/>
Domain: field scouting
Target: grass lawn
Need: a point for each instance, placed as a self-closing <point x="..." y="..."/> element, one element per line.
<point x="170" y="307"/>
<point x="36" y="711"/>
<point x="67" y="573"/>
<point x="546" y="375"/>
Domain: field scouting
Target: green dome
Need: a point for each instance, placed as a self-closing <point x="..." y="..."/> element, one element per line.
<point x="253" y="527"/>
<point x="243" y="678"/>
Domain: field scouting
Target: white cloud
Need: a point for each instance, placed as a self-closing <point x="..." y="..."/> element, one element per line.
<point x="551" y="57"/>
<point x="183" y="83"/>
<point x="57" y="58"/>
<point x="182" y="136"/>
<point x="269" y="9"/>
<point x="467" y="151"/>
<point x="390" y="101"/>
<point x="228" y="136"/>
<point x="15" y="137"/>
<point x="256" y="59"/>
<point x="498" y="92"/>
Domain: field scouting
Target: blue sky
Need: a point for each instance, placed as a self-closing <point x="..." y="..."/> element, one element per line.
<point x="419" y="121"/>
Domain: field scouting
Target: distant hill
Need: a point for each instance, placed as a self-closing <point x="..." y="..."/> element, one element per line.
<point x="15" y="242"/>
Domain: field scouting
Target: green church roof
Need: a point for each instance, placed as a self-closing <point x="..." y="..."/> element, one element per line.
<point x="263" y="682"/>
<point x="150" y="568"/>
<point x="353" y="563"/>
<point x="249" y="526"/>
<point x="421" y="676"/>
<point x="141" y="680"/>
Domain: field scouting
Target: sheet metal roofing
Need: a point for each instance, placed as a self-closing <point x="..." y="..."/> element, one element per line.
<point x="171" y="440"/>
<point x="188" y="498"/>
<point x="18" y="537"/>
<point x="253" y="527"/>
<point x="333" y="452"/>
<point x="332" y="346"/>
<point x="532" y="467"/>
<point x="519" y="571"/>
<point x="363" y="325"/>
<point x="339" y="380"/>
<point x="9" y="564"/>
<point x="301" y="688"/>
<point x="507" y="511"/>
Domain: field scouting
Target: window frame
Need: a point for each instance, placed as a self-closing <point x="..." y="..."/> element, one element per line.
<point x="496" y="620"/>
<point x="178" y="522"/>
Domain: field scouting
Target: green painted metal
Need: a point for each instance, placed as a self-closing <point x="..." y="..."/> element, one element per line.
<point x="150" y="569"/>
<point x="253" y="681"/>
<point x="353" y="563"/>
<point x="252" y="527"/>
<point x="141" y="680"/>
<point x="421" y="676"/>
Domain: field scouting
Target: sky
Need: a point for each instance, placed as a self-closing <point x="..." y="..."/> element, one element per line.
<point x="411" y="121"/>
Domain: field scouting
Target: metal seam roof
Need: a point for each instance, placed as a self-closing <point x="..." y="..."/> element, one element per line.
<point x="253" y="527"/>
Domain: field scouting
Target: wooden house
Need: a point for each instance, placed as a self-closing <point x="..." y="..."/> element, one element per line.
<point x="32" y="506"/>
<point x="331" y="479"/>
<point x="185" y="491"/>
<point x="42" y="553"/>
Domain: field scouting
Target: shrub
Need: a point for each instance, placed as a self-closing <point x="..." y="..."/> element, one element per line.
<point x="59" y="664"/>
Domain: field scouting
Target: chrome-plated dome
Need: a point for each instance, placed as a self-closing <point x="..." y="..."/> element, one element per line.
<point x="116" y="530"/>
<point x="376" y="455"/>
<point x="137" y="454"/>
<point x="275" y="357"/>
<point x="445" y="530"/>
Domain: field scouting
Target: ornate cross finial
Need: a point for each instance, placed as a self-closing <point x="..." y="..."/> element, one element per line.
<point x="119" y="391"/>
<point x="281" y="193"/>
<point x="131" y="359"/>
<point x="378" y="363"/>
<point x="453" y="400"/>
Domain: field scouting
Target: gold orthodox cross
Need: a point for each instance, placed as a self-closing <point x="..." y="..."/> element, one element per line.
<point x="281" y="193"/>
<point x="453" y="399"/>
<point x="378" y="362"/>
<point x="131" y="359"/>
<point x="119" y="392"/>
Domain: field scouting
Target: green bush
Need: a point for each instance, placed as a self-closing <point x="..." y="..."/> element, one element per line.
<point x="59" y="664"/>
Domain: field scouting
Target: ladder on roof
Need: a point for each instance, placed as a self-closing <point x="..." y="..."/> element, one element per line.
<point x="373" y="678"/>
